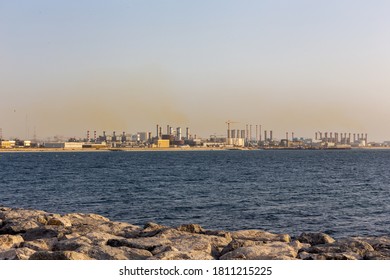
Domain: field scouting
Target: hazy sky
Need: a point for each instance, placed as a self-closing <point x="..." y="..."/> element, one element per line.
<point x="302" y="66"/>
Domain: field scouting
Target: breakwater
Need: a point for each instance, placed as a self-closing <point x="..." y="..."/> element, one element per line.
<point x="38" y="235"/>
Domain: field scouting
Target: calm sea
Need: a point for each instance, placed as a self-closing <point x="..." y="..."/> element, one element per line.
<point x="343" y="193"/>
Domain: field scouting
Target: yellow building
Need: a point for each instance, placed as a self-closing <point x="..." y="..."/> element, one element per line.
<point x="7" y="144"/>
<point x="162" y="143"/>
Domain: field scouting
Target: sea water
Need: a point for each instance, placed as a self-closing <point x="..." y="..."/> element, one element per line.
<point x="342" y="193"/>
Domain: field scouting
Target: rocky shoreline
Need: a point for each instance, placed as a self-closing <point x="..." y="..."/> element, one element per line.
<point x="38" y="235"/>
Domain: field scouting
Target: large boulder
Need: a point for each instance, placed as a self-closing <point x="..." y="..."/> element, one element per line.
<point x="10" y="241"/>
<point x="270" y="251"/>
<point x="105" y="252"/>
<point x="16" y="254"/>
<point x="258" y="235"/>
<point x="345" y="249"/>
<point x="315" y="238"/>
<point x="59" y="255"/>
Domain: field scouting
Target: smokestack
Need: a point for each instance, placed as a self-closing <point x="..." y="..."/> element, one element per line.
<point x="270" y="135"/>
<point x="326" y="136"/>
<point x="292" y="136"/>
<point x="331" y="137"/>
<point x="316" y="137"/>
<point x="366" y="139"/>
<point x="168" y="129"/>
<point x="87" y="135"/>
<point x="157" y="131"/>
<point x="178" y="133"/>
<point x="265" y="135"/>
<point x="287" y="136"/>
<point x="257" y="133"/>
<point x="149" y="136"/>
<point x="233" y="133"/>
<point x="188" y="133"/>
<point x="160" y="132"/>
<point x="94" y="136"/>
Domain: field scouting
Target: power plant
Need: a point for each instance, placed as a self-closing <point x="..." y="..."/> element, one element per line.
<point x="238" y="136"/>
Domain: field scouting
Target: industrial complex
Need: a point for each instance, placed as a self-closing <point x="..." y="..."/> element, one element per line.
<point x="165" y="137"/>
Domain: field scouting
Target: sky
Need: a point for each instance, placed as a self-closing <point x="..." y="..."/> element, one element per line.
<point x="291" y="66"/>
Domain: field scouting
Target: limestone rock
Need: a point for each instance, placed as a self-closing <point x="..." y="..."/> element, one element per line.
<point x="61" y="221"/>
<point x="10" y="241"/>
<point x="18" y="226"/>
<point x="342" y="249"/>
<point x="192" y="228"/>
<point x="235" y="244"/>
<point x="114" y="253"/>
<point x="40" y="244"/>
<point x="59" y="255"/>
<point x="258" y="235"/>
<point x="176" y="255"/>
<point x="145" y="243"/>
<point x="270" y="251"/>
<point x="42" y="232"/>
<point x="72" y="244"/>
<point x="315" y="238"/>
<point x="16" y="254"/>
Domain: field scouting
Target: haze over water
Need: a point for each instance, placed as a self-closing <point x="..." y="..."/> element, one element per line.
<point x="344" y="193"/>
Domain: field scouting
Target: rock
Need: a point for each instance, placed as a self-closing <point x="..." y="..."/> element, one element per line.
<point x="61" y="221"/>
<point x="176" y="255"/>
<point x="258" y="235"/>
<point x="59" y="255"/>
<point x="72" y="244"/>
<point x="188" y="242"/>
<point x="16" y="254"/>
<point x="342" y="249"/>
<point x="192" y="228"/>
<point x="42" y="219"/>
<point x="271" y="251"/>
<point x="220" y="233"/>
<point x="380" y="244"/>
<point x="315" y="238"/>
<point x="18" y="226"/>
<point x="235" y="244"/>
<point x="42" y="232"/>
<point x="114" y="253"/>
<point x="145" y="243"/>
<point x="40" y="244"/>
<point x="298" y="245"/>
<point x="151" y="229"/>
<point x="10" y="241"/>
<point x="162" y="249"/>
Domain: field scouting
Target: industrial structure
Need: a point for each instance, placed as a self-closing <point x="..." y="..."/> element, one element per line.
<point x="238" y="136"/>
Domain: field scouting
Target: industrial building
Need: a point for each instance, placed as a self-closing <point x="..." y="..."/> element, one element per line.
<point x="63" y="145"/>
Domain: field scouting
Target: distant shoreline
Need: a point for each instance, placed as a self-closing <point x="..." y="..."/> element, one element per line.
<point x="21" y="150"/>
